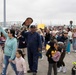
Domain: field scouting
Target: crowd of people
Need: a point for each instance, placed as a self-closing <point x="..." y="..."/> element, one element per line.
<point x="15" y="43"/>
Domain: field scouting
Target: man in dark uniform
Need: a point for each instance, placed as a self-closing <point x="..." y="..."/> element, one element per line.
<point x="34" y="44"/>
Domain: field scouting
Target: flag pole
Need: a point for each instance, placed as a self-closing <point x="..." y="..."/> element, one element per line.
<point x="4" y="13"/>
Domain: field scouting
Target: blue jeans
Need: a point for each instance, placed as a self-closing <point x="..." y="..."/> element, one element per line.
<point x="74" y="43"/>
<point x="68" y="46"/>
<point x="5" y="65"/>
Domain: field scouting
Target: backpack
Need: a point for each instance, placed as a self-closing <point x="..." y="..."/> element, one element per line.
<point x="56" y="56"/>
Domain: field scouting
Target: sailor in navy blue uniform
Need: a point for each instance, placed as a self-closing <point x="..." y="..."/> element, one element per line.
<point x="34" y="44"/>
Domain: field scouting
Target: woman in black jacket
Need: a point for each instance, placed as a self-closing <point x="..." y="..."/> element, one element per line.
<point x="47" y="36"/>
<point x="21" y="41"/>
<point x="62" y="48"/>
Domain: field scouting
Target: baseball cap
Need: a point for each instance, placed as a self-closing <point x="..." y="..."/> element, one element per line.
<point x="32" y="26"/>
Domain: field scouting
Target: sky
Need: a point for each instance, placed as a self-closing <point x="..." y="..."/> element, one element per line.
<point x="42" y="11"/>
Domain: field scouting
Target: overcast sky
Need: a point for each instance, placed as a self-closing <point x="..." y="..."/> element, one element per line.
<point x="45" y="11"/>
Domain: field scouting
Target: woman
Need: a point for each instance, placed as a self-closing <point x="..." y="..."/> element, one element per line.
<point x="61" y="64"/>
<point x="69" y="40"/>
<point x="74" y="40"/>
<point x="21" y="41"/>
<point x="9" y="50"/>
<point x="47" y="36"/>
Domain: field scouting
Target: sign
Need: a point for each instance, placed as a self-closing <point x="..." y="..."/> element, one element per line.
<point x="42" y="26"/>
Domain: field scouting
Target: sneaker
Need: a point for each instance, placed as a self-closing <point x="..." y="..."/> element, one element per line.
<point x="29" y="71"/>
<point x="68" y="52"/>
<point x="64" y="70"/>
<point x="59" y="69"/>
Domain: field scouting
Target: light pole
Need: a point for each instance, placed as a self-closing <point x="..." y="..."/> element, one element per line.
<point x="4" y="13"/>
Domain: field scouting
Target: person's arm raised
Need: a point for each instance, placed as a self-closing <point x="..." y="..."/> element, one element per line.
<point x="3" y="31"/>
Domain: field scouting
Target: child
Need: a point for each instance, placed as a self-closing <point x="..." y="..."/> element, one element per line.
<point x="74" y="69"/>
<point x="49" y="54"/>
<point x="20" y="63"/>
